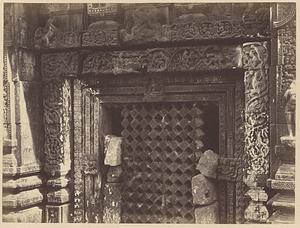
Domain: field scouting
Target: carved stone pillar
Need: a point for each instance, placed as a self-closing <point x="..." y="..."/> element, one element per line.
<point x="255" y="63"/>
<point x="57" y="120"/>
<point x="23" y="128"/>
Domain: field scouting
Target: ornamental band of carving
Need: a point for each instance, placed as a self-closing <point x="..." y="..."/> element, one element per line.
<point x="163" y="59"/>
<point x="255" y="62"/>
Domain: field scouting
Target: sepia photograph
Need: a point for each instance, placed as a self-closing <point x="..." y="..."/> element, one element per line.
<point x="171" y="112"/>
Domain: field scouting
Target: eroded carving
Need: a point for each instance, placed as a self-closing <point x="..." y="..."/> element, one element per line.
<point x="255" y="62"/>
<point x="101" y="33"/>
<point x="59" y="64"/>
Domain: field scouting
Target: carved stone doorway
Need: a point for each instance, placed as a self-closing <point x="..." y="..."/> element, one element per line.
<point x="157" y="117"/>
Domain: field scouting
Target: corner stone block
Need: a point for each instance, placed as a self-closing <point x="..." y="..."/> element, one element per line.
<point x="203" y="190"/>
<point x="207" y="214"/>
<point x="112" y="203"/>
<point x="208" y="164"/>
<point x="113" y="151"/>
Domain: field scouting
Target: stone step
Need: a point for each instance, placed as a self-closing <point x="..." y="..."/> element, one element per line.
<point x="281" y="184"/>
<point x="285" y="172"/>
<point x="282" y="217"/>
<point x="285" y="200"/>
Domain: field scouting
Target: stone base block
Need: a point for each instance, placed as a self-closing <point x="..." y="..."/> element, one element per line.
<point x="112" y="203"/>
<point x="58" y="214"/>
<point x="207" y="214"/>
<point x="32" y="215"/>
<point x="203" y="190"/>
<point x="285" y="154"/>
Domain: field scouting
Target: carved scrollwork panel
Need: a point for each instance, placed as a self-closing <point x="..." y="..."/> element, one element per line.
<point x="59" y="64"/>
<point x="255" y="60"/>
<point x="57" y="114"/>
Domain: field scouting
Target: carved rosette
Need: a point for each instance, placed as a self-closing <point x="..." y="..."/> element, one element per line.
<point x="255" y="62"/>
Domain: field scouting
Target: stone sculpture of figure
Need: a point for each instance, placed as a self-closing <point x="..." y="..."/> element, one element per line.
<point x="290" y="106"/>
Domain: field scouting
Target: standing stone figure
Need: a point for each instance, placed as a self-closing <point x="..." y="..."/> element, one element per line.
<point x="290" y="107"/>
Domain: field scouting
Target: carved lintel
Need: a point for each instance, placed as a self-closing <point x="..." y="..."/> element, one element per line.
<point x="211" y="57"/>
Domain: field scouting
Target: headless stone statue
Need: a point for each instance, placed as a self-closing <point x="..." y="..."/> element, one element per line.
<point x="290" y="96"/>
<point x="290" y="107"/>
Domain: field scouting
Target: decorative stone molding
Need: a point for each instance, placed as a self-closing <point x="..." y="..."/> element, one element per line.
<point x="163" y="59"/>
<point x="255" y="62"/>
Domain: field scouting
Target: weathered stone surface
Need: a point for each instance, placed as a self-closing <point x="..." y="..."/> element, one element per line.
<point x="59" y="196"/>
<point x="114" y="174"/>
<point x="207" y="214"/>
<point x="285" y="172"/>
<point x="22" y="199"/>
<point x="33" y="215"/>
<point x="203" y="190"/>
<point x="257" y="194"/>
<point x="23" y="183"/>
<point x="112" y="203"/>
<point x="113" y="151"/>
<point x="58" y="214"/>
<point x="256" y="212"/>
<point x="208" y="164"/>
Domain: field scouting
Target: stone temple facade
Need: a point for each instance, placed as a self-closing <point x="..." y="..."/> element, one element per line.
<point x="149" y="113"/>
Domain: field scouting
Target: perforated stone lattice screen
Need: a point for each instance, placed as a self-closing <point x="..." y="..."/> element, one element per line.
<point x="159" y="161"/>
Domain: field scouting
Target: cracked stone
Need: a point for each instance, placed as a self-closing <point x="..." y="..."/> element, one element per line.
<point x="203" y="190"/>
